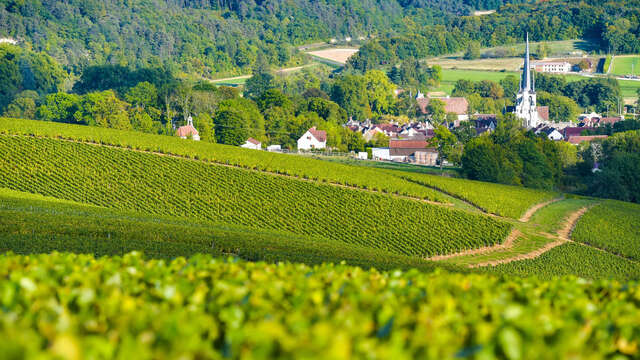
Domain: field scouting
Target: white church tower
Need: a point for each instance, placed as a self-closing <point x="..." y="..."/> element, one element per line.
<point x="526" y="106"/>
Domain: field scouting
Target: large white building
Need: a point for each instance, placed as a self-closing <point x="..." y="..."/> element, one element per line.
<point x="313" y="139"/>
<point x="526" y="106"/>
<point x="552" y="66"/>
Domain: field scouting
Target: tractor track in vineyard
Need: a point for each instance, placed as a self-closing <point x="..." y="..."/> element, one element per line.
<point x="563" y="236"/>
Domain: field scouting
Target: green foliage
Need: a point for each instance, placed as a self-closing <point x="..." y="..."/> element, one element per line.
<point x="215" y="308"/>
<point x="34" y="224"/>
<point x="561" y="108"/>
<point x="473" y="51"/>
<point x="22" y="69"/>
<point x="350" y="92"/>
<point x="573" y="259"/>
<point x="152" y="184"/>
<point x="612" y="226"/>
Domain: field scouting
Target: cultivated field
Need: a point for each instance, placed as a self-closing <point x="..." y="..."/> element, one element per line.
<point x="507" y="64"/>
<point x="339" y="56"/>
<point x="626" y="65"/>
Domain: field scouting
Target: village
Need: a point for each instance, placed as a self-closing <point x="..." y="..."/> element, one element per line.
<point x="412" y="142"/>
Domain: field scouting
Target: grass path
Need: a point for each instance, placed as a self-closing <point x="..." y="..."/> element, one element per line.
<point x="527" y="215"/>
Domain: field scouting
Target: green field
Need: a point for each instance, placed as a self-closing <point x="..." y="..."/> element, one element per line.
<point x="34" y="224"/>
<point x="629" y="88"/>
<point x="626" y="65"/>
<point x="161" y="185"/>
<point x="79" y="307"/>
<point x="370" y="178"/>
<point x="613" y="226"/>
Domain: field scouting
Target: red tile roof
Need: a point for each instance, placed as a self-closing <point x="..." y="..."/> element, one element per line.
<point x="575" y="140"/>
<point x="320" y="135"/>
<point x="408" y="143"/>
<point x="456" y="105"/>
<point x="574" y="131"/>
<point x="186" y="131"/>
<point x="609" y="120"/>
<point x="253" y="141"/>
<point x="543" y="111"/>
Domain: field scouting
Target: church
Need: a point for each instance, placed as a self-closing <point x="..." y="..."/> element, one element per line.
<point x="526" y="107"/>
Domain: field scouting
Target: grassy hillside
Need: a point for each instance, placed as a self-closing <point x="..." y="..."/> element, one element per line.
<point x="626" y="65"/>
<point x="34" y="224"/>
<point x="162" y="185"/>
<point x="396" y="182"/>
<point x="612" y="226"/>
<point x="76" y="306"/>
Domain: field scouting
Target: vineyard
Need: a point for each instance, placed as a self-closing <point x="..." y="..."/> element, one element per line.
<point x="509" y="201"/>
<point x="504" y="200"/>
<point x="573" y="259"/>
<point x="612" y="226"/>
<point x="34" y="224"/>
<point x="302" y="167"/>
<point x="76" y="307"/>
<point x="162" y="185"/>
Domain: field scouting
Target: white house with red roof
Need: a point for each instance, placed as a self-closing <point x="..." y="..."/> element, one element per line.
<point x="313" y="139"/>
<point x="188" y="131"/>
<point x="252" y="143"/>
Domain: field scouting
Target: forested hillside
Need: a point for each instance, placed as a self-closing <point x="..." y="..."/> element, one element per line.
<point x="613" y="25"/>
<point x="208" y="36"/>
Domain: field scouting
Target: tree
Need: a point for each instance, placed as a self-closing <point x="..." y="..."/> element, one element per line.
<point x="103" y="109"/>
<point x="465" y="132"/>
<point x="350" y="92"/>
<point x="561" y="108"/>
<point x="60" y="107"/>
<point x="142" y="95"/>
<point x="510" y="84"/>
<point x="542" y="51"/>
<point x="204" y="124"/>
<point x="250" y="114"/>
<point x="435" y="109"/>
<point x="489" y="89"/>
<point x="473" y="51"/>
<point x="23" y="106"/>
<point x="379" y="91"/>
<point x="444" y="141"/>
<point x="231" y="127"/>
<point x="261" y="81"/>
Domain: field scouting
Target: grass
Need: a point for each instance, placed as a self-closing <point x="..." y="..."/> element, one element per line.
<point x="629" y="88"/>
<point x="31" y="223"/>
<point x="551" y="218"/>
<point x="626" y="65"/>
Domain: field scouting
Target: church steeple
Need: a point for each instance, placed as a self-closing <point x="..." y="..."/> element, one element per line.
<point x="525" y="82"/>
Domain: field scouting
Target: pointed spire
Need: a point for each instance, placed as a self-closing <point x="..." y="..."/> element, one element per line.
<point x="526" y="72"/>
<point x="190" y="121"/>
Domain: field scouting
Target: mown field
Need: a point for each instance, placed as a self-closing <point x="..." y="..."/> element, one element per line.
<point x="613" y="226"/>
<point x="35" y="224"/>
<point x="369" y="178"/>
<point x="77" y="307"/>
<point x="626" y="65"/>
<point x="162" y="185"/>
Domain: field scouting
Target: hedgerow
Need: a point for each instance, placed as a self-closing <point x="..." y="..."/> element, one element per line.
<point x="613" y="226"/>
<point x="504" y="200"/>
<point x="573" y="259"/>
<point x="76" y="306"/>
<point x="161" y="185"/>
<point x="34" y="224"/>
<point x="302" y="167"/>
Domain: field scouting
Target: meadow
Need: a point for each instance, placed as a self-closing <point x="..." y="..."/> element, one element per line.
<point x="168" y="186"/>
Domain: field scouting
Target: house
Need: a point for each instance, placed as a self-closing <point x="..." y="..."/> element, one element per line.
<point x="455" y="105"/>
<point x="188" y="131"/>
<point x="363" y="155"/>
<point x="576" y="140"/>
<point x="551" y="66"/>
<point x="253" y="144"/>
<point x="414" y="149"/>
<point x="274" y="148"/>
<point x="550" y="132"/>
<point x="574" y="131"/>
<point x="485" y="123"/>
<point x="380" y="154"/>
<point x="313" y="139"/>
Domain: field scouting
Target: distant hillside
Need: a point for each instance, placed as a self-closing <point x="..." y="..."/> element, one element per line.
<point x="206" y="37"/>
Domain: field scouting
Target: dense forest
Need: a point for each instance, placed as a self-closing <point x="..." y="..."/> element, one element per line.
<point x="207" y="37"/>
